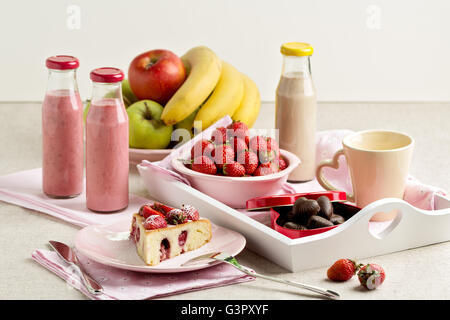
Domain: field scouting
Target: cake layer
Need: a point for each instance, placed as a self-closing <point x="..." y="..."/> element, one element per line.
<point x="157" y="245"/>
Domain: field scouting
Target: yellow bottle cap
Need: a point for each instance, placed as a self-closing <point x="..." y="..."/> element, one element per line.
<point x="298" y="49"/>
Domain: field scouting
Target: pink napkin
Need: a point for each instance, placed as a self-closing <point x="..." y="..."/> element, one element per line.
<point x="127" y="285"/>
<point x="24" y="189"/>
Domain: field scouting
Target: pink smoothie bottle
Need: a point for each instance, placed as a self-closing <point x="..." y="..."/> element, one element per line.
<point x="62" y="130"/>
<point x="107" y="144"/>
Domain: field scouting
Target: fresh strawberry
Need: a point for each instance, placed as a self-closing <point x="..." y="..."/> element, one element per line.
<point x="176" y="216"/>
<point x="238" y="145"/>
<point x="155" y="222"/>
<point x="272" y="145"/>
<point x="371" y="276"/>
<point x="202" y="148"/>
<point x="233" y="169"/>
<point x="190" y="211"/>
<point x="249" y="160"/>
<point x="158" y="206"/>
<point x="240" y="130"/>
<point x="282" y="164"/>
<point x="342" y="270"/>
<point x="258" y="145"/>
<point x="222" y="154"/>
<point x="265" y="169"/>
<point x="219" y="136"/>
<point x="204" y="164"/>
<point x="268" y="156"/>
<point x="146" y="211"/>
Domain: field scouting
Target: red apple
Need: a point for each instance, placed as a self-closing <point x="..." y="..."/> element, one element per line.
<point x="156" y="75"/>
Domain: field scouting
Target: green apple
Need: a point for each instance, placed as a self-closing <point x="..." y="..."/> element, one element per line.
<point x="128" y="96"/>
<point x="147" y="130"/>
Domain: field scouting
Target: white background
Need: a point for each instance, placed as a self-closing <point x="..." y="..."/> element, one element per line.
<point x="364" y="50"/>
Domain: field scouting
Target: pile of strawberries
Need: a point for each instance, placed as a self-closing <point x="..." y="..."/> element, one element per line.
<point x="158" y="215"/>
<point x="232" y="152"/>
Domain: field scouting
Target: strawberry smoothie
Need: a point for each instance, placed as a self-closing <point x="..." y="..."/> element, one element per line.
<point x="62" y="142"/>
<point x="107" y="156"/>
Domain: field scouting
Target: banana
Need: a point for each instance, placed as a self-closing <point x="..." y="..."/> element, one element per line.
<point x="225" y="98"/>
<point x="203" y="68"/>
<point x="187" y="123"/>
<point x="248" y="111"/>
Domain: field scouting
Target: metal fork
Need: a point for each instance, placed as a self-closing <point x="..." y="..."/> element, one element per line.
<point x="224" y="257"/>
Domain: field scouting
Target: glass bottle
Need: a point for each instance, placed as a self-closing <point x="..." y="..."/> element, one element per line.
<point x="295" y="115"/>
<point x="62" y="130"/>
<point x="107" y="144"/>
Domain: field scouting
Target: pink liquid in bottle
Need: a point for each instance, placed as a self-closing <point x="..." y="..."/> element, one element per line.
<point x="62" y="131"/>
<point x="107" y="152"/>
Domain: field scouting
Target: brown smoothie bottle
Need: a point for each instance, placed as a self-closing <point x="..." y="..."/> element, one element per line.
<point x="295" y="103"/>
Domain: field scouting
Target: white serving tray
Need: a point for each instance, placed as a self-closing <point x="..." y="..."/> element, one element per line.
<point x="411" y="227"/>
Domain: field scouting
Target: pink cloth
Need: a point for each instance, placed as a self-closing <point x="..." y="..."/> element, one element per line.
<point x="127" y="285"/>
<point x="24" y="189"/>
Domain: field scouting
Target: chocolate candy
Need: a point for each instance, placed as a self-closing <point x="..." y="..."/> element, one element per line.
<point x="290" y="215"/>
<point x="326" y="208"/>
<point x="281" y="221"/>
<point x="305" y="208"/>
<point x="337" y="219"/>
<point x="293" y="225"/>
<point x="318" y="222"/>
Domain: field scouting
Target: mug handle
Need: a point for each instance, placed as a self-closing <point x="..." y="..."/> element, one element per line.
<point x="333" y="163"/>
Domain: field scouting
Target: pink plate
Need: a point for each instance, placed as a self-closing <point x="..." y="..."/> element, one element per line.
<point x="109" y="244"/>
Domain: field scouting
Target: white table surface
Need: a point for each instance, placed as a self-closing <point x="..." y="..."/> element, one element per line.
<point x="420" y="273"/>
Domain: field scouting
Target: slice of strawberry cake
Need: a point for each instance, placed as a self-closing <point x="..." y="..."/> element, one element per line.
<point x="162" y="232"/>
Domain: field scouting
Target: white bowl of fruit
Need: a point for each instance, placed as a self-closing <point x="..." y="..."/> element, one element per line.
<point x="233" y="166"/>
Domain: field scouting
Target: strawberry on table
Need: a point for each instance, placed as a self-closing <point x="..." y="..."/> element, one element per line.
<point x="222" y="154"/>
<point x="219" y="136"/>
<point x="371" y="276"/>
<point x="155" y="222"/>
<point x="249" y="160"/>
<point x="204" y="164"/>
<point x="202" y="148"/>
<point x="233" y="169"/>
<point x="342" y="270"/>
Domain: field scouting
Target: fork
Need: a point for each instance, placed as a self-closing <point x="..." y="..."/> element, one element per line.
<point x="224" y="257"/>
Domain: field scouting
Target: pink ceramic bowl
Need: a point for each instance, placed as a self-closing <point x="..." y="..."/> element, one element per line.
<point x="235" y="191"/>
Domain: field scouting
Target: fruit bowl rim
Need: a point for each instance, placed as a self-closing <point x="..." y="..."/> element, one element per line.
<point x="292" y="159"/>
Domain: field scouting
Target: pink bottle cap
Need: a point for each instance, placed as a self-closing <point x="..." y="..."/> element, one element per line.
<point x="62" y="62"/>
<point x="107" y="75"/>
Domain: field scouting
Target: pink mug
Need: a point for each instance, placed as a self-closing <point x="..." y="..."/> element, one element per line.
<point x="378" y="161"/>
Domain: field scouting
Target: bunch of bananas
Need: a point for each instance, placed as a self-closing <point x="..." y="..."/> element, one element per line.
<point x="212" y="89"/>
